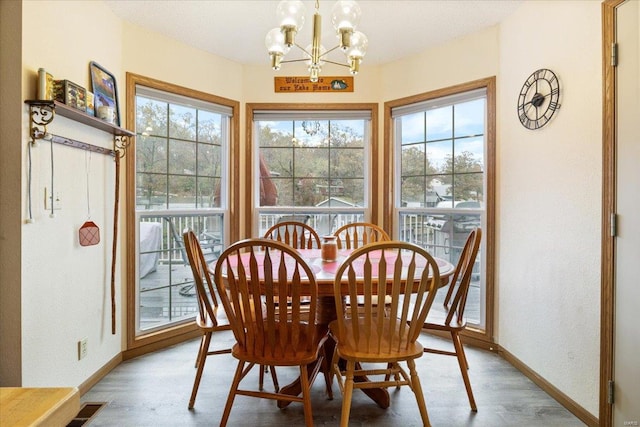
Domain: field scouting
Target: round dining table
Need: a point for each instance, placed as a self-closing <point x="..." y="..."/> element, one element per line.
<point x="325" y="272"/>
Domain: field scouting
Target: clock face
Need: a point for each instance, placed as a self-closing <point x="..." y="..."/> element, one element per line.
<point x="538" y="99"/>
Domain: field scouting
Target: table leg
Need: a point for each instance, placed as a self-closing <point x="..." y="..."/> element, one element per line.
<point x="327" y="313"/>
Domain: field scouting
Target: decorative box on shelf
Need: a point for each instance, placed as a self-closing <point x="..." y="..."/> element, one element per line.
<point x="70" y="94"/>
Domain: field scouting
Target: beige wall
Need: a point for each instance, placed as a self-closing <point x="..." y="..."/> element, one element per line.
<point x="258" y="85"/>
<point x="549" y="188"/>
<point x="65" y="287"/>
<point x="548" y="180"/>
<point x="462" y="60"/>
<point x="158" y="57"/>
<point x="548" y="184"/>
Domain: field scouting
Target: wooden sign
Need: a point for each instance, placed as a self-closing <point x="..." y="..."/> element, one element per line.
<point x="303" y="84"/>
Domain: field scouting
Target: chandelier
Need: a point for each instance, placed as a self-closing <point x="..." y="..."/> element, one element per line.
<point x="345" y="16"/>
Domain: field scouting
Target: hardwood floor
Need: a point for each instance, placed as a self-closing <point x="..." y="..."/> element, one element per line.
<point x="154" y="390"/>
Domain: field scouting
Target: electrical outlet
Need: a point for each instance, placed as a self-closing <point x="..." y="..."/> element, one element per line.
<point x="51" y="198"/>
<point x="82" y="348"/>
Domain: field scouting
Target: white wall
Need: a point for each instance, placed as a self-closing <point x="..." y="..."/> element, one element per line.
<point x="549" y="198"/>
<point x="65" y="287"/>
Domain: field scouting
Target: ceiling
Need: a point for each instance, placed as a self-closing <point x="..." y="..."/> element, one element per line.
<point x="235" y="29"/>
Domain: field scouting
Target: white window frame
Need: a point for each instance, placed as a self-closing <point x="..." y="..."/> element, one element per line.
<point x="362" y="213"/>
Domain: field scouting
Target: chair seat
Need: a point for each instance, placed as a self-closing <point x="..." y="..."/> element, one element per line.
<point x="282" y="356"/>
<point x="438" y="320"/>
<point x="208" y="325"/>
<point x="278" y="357"/>
<point x="379" y="348"/>
<point x="439" y="325"/>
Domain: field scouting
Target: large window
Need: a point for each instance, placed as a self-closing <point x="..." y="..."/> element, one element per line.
<point x="443" y="158"/>
<point x="181" y="182"/>
<point x="313" y="166"/>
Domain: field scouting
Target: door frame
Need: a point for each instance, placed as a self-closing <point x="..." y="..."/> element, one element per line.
<point x="607" y="288"/>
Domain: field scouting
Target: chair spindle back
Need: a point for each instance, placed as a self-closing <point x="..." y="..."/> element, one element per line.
<point x="206" y="293"/>
<point x="464" y="269"/>
<point x="296" y="234"/>
<point x="405" y="273"/>
<point x="356" y="234"/>
<point x="251" y="276"/>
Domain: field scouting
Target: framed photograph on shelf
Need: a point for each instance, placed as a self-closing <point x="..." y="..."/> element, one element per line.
<point x="105" y="94"/>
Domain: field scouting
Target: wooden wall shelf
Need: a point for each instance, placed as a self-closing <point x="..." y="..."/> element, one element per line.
<point x="42" y="113"/>
<point x="77" y="115"/>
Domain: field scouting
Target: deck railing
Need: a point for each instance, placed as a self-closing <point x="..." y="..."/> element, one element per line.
<point x="208" y="228"/>
<point x="168" y="295"/>
<point x="323" y="223"/>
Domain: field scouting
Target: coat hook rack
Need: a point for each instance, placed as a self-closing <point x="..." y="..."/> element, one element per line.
<point x="42" y="113"/>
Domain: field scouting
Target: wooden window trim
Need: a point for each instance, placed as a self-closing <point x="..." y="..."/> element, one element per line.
<point x="250" y="107"/>
<point x="388" y="219"/>
<point x="186" y="330"/>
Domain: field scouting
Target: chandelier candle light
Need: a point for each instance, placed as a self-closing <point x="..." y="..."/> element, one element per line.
<point x="345" y="17"/>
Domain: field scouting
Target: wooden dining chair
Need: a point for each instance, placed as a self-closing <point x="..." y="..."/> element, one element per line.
<point x="209" y="319"/>
<point x="262" y="270"/>
<point x="295" y="234"/>
<point x="410" y="277"/>
<point x="356" y="234"/>
<point x="454" y="303"/>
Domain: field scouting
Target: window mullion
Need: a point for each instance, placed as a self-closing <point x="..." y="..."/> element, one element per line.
<point x="320" y="177"/>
